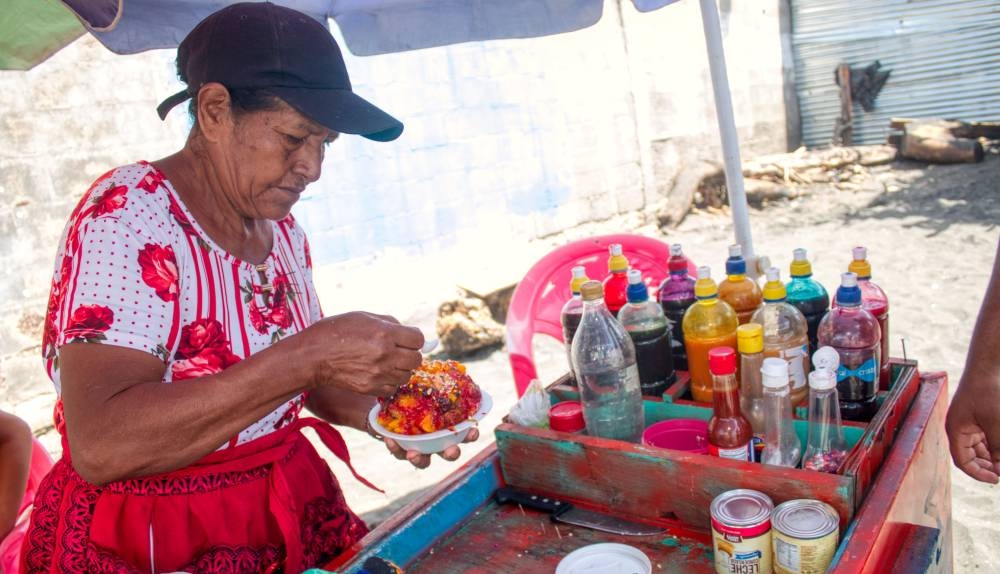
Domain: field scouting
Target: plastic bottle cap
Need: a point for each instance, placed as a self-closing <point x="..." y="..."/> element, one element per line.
<point x="617" y="262"/>
<point x="592" y="290"/>
<point x="567" y="416"/>
<point x="579" y="271"/>
<point x="750" y="338"/>
<point x="722" y="361"/>
<point x="637" y="290"/>
<point x="775" y="373"/>
<point x="634" y="276"/>
<point x="800" y="264"/>
<point x="848" y="294"/>
<point x="822" y="380"/>
<point x="615" y="249"/>
<point x="675" y="250"/>
<point x="705" y="287"/>
<point x="827" y="359"/>
<point x="736" y="250"/>
<point x="579" y="278"/>
<point x="860" y="265"/>
<point x="774" y="289"/>
<point x="736" y="265"/>
<point x="704" y="272"/>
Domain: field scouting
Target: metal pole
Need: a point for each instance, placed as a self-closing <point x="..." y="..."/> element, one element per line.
<point x="727" y="131"/>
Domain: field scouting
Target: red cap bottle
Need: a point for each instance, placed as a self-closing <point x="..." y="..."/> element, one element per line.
<point x="722" y="361"/>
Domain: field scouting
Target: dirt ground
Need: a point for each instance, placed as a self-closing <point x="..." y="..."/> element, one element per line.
<point x="931" y="233"/>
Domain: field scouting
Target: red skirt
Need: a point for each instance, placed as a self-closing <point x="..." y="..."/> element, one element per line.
<point x="263" y="506"/>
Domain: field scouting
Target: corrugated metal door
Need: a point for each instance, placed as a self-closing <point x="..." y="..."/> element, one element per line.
<point x="944" y="56"/>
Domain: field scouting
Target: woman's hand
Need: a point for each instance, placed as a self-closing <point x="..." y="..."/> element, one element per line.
<point x="973" y="426"/>
<point x="361" y="352"/>
<point x="420" y="460"/>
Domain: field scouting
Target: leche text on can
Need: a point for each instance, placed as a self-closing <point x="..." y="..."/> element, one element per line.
<point x="741" y="532"/>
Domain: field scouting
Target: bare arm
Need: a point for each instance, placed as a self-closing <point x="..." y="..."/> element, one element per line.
<point x="973" y="422"/>
<point x="123" y="422"/>
<point x="15" y="453"/>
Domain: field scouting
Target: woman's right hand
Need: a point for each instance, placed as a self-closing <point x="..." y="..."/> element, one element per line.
<point x="361" y="352"/>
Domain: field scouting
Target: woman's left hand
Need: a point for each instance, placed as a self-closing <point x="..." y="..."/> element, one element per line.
<point x="424" y="460"/>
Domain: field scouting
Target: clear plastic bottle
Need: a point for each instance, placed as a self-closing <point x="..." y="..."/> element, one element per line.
<point x="616" y="283"/>
<point x="826" y="448"/>
<point x="781" y="444"/>
<point x="604" y="358"/>
<point x="707" y="324"/>
<point x="786" y="334"/>
<point x="875" y="301"/>
<point x="854" y="333"/>
<point x="740" y="291"/>
<point x="649" y="330"/>
<point x="807" y="294"/>
<point x="572" y="312"/>
<point x="750" y="342"/>
<point x="676" y="294"/>
<point x="729" y="432"/>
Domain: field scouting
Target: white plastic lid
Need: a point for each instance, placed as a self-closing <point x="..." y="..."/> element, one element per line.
<point x="822" y="379"/>
<point x="736" y="250"/>
<point x="775" y="373"/>
<point x="605" y="558"/>
<point x="634" y="276"/>
<point x="675" y="249"/>
<point x="860" y="253"/>
<point x="799" y="254"/>
<point x="827" y="359"/>
<point x="848" y="279"/>
<point x="616" y="248"/>
<point x="704" y="272"/>
<point x="773" y="274"/>
<point x="579" y="272"/>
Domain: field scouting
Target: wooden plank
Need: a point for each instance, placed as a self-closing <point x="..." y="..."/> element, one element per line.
<point x="920" y="550"/>
<point x="651" y="483"/>
<point x="510" y="539"/>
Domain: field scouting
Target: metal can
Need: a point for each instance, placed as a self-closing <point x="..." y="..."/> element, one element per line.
<point x="741" y="532"/>
<point x="805" y="536"/>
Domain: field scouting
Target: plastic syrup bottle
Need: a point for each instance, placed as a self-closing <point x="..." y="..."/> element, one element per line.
<point x="729" y="432"/>
<point x="607" y="375"/>
<point x="807" y="294"/>
<point x="572" y="312"/>
<point x="616" y="283"/>
<point x="750" y="343"/>
<point x="707" y="324"/>
<point x="854" y="333"/>
<point x="649" y="330"/>
<point x="740" y="291"/>
<point x="786" y="334"/>
<point x="676" y="294"/>
<point x="826" y="448"/>
<point x="781" y="444"/>
<point x="874" y="299"/>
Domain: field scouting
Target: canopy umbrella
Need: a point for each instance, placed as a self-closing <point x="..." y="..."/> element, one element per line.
<point x="369" y="27"/>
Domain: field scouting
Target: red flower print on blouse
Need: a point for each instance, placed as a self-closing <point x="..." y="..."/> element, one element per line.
<point x="181" y="218"/>
<point x="159" y="270"/>
<point x="207" y="363"/>
<point x="203" y="350"/>
<point x="89" y="322"/>
<point x="151" y="181"/>
<point x="308" y="251"/>
<point x="113" y="198"/>
<point x="257" y="318"/>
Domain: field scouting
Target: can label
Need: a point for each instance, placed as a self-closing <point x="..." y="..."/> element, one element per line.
<point x="803" y="556"/>
<point x="738" y="453"/>
<point x="742" y="550"/>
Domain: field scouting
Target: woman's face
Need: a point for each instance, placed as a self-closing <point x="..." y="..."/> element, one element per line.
<point x="272" y="156"/>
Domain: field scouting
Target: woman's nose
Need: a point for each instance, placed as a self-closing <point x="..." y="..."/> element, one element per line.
<point x="309" y="163"/>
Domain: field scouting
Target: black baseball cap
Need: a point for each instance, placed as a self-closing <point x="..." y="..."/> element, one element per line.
<point x="263" y="45"/>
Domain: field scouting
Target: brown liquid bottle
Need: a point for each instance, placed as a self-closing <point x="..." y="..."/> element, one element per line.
<point x="729" y="432"/>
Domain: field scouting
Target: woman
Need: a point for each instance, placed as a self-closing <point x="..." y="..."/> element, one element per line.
<point x="23" y="464"/>
<point x="191" y="271"/>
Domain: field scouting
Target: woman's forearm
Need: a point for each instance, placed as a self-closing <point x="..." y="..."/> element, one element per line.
<point x="983" y="360"/>
<point x="15" y="461"/>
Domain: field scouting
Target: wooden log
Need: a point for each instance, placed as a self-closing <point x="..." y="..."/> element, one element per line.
<point x="941" y="149"/>
<point x="843" y="132"/>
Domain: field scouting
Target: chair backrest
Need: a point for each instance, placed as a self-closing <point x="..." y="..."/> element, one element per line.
<point x="538" y="299"/>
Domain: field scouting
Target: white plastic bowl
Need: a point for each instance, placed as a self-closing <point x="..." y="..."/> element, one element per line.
<point x="432" y="442"/>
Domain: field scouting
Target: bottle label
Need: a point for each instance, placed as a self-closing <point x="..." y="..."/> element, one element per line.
<point x="866" y="371"/>
<point x="739" y="453"/>
<point x="796" y="365"/>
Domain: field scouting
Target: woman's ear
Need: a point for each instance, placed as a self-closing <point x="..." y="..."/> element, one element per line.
<point x="214" y="111"/>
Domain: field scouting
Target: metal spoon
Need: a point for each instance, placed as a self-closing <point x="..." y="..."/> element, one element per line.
<point x="429" y="345"/>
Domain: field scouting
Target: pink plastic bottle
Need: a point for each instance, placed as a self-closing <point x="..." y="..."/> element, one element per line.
<point x="616" y="283"/>
<point x="874" y="299"/>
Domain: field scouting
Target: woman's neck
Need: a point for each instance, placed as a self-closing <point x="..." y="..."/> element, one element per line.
<point x="199" y="185"/>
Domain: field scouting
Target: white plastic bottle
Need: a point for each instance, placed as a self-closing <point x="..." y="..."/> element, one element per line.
<point x="781" y="445"/>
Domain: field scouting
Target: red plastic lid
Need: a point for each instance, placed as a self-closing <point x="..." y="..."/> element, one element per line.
<point x="722" y="361"/>
<point x="567" y="416"/>
<point x="689" y="435"/>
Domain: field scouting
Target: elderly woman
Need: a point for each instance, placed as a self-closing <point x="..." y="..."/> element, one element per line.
<point x="184" y="334"/>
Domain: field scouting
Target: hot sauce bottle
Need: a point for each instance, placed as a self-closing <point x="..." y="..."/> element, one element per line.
<point x="729" y="432"/>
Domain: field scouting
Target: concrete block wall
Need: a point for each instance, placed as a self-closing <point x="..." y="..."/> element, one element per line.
<point x="505" y="141"/>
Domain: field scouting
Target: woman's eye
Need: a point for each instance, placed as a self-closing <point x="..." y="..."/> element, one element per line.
<point x="294" y="140"/>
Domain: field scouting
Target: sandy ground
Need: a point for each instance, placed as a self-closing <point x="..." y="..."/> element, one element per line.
<point x="931" y="234"/>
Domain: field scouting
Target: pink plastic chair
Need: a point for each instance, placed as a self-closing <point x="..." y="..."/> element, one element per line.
<point x="538" y="299"/>
<point x="10" y="547"/>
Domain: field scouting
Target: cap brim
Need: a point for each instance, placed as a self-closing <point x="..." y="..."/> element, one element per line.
<point x="342" y="111"/>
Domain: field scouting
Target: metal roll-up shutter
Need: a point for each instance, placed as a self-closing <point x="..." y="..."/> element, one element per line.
<point x="944" y="56"/>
